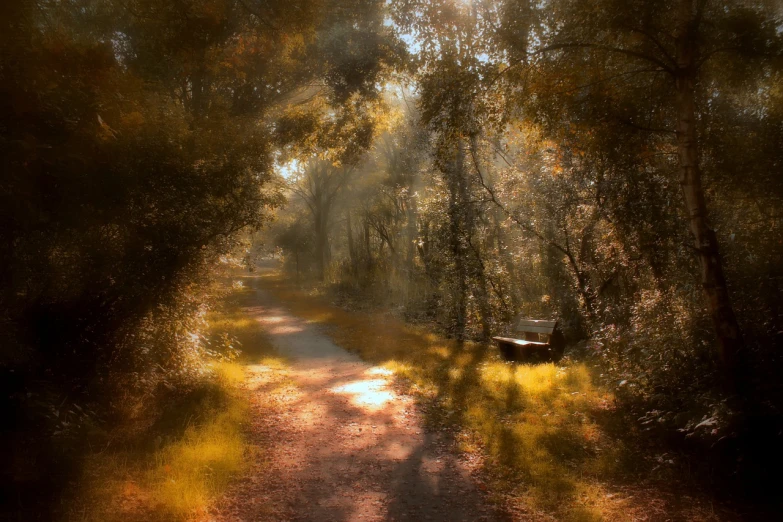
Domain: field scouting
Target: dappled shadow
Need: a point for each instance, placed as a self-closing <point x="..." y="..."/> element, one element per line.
<point x="456" y="395"/>
<point x="343" y="444"/>
<point x="537" y="429"/>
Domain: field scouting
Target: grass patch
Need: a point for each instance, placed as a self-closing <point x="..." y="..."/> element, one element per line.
<point x="192" y="470"/>
<point x="536" y="425"/>
<point x="229" y="320"/>
<point x="174" y="468"/>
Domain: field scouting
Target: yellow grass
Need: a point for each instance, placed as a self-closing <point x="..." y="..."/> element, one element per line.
<point x="178" y="466"/>
<point x="190" y="472"/>
<point x="232" y="319"/>
<point x="533" y="423"/>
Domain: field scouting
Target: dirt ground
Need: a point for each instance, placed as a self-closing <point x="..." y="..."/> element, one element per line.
<point x="339" y="442"/>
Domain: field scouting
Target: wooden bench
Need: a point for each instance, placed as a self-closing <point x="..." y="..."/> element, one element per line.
<point x="535" y="340"/>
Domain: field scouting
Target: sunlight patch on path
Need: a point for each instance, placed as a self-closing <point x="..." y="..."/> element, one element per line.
<point x="380" y="371"/>
<point x="369" y="393"/>
<point x="284" y="330"/>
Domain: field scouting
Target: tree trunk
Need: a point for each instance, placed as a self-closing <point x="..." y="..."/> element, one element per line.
<point x="198" y="87"/>
<point x="705" y="241"/>
<point x="511" y="270"/>
<point x="319" y="247"/>
<point x="456" y="216"/>
<point x="296" y="254"/>
<point x="351" y="246"/>
<point x="411" y="234"/>
<point x="482" y="298"/>
<point x="423" y="249"/>
<point x="321" y="219"/>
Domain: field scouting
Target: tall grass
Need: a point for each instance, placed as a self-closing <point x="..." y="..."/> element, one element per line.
<point x="192" y="470"/>
<point x="172" y="469"/>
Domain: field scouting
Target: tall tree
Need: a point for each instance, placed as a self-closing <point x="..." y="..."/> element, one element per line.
<point x="635" y="46"/>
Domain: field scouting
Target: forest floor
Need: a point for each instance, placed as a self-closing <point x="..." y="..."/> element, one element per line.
<point x="337" y="415"/>
<point x="374" y="419"/>
<point x="340" y="441"/>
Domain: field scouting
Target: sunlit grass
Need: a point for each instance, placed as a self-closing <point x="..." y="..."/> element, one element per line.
<point x="174" y="469"/>
<point x="535" y="424"/>
<point x="230" y="318"/>
<point x="190" y="472"/>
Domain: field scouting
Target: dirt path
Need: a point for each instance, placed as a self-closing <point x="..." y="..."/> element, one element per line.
<point x="340" y="443"/>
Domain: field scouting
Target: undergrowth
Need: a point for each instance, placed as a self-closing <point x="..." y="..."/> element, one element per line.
<point x="193" y="444"/>
<point x="543" y="430"/>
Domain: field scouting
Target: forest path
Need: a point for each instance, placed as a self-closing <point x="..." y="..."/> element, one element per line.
<point x="339" y="443"/>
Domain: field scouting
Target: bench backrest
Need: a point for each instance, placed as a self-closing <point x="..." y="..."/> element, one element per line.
<point x="534" y="329"/>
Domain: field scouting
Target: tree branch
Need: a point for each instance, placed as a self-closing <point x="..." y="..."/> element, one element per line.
<point x="608" y="48"/>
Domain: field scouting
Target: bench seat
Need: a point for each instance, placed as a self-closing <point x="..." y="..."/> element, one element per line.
<point x="519" y="342"/>
<point x="537" y="339"/>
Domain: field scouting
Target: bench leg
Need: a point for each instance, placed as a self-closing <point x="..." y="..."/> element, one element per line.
<point x="507" y="351"/>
